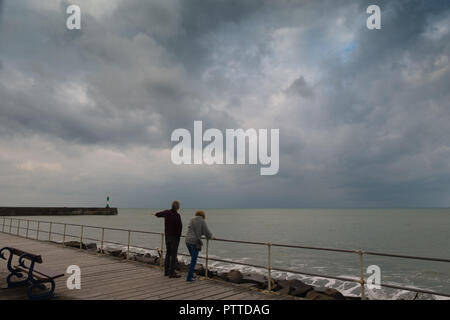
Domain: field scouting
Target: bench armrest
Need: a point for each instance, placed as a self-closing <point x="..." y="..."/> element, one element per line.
<point x="2" y="250"/>
<point x="27" y="256"/>
<point x="9" y="259"/>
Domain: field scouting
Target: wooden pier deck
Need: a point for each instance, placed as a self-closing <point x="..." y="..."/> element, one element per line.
<point x="109" y="278"/>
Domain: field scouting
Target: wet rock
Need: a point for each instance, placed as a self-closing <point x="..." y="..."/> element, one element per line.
<point x="334" y="293"/>
<point x="249" y="285"/>
<point x="283" y="286"/>
<point x="324" y="294"/>
<point x="222" y="276"/>
<point x="149" y="259"/>
<point x="199" y="270"/>
<point x="274" y="285"/>
<point x="284" y="290"/>
<point x="235" y="276"/>
<point x="301" y="290"/>
<point x="295" y="287"/>
<point x="91" y="246"/>
<point x="257" y="279"/>
<point x="314" y="295"/>
<point x="123" y="255"/>
<point x="74" y="244"/>
<point x="114" y="253"/>
<point x="180" y="266"/>
<point x="212" y="274"/>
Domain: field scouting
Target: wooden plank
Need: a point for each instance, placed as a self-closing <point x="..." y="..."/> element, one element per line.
<point x="175" y="286"/>
<point x="222" y="295"/>
<point x="203" y="294"/>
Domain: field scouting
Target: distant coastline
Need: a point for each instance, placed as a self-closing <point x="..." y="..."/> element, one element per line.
<point x="56" y="211"/>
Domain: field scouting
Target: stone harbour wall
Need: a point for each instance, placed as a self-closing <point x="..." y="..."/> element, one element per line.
<point x="55" y="211"/>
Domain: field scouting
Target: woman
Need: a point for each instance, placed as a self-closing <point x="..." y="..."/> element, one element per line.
<point x="196" y="229"/>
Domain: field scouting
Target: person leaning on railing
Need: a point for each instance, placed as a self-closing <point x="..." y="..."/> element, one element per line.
<point x="172" y="229"/>
<point x="196" y="229"/>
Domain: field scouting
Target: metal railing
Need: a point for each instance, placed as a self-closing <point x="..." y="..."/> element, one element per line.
<point x="269" y="268"/>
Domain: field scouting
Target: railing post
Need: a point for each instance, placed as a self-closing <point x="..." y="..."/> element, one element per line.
<point x="207" y="258"/>
<point x="37" y="233"/>
<point x="10" y="224"/>
<point x="3" y="227"/>
<point x="162" y="251"/>
<point x="269" y="268"/>
<point x="128" y="245"/>
<point x="361" y="275"/>
<point x="28" y="226"/>
<point x="103" y="238"/>
<point x="50" y="232"/>
<point x="18" y="226"/>
<point x="81" y="237"/>
<point x="64" y="235"/>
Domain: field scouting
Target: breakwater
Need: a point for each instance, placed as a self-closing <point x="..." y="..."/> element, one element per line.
<point x="56" y="211"/>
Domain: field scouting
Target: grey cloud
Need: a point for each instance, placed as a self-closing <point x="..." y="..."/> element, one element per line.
<point x="299" y="86"/>
<point x="370" y="127"/>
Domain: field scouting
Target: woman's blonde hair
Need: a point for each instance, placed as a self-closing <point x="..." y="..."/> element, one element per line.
<point x="200" y="213"/>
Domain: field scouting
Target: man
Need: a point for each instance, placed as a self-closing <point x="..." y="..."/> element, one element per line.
<point x="173" y="228"/>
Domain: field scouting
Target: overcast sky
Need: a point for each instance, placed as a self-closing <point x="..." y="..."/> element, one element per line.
<point x="364" y="115"/>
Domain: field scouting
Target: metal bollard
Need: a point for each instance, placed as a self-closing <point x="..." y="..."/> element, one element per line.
<point x="101" y="244"/>
<point x="207" y="258"/>
<point x="128" y="245"/>
<point x="162" y="251"/>
<point x="269" y="268"/>
<point x="81" y="237"/>
<point x="50" y="231"/>
<point x="361" y="275"/>
<point x="64" y="235"/>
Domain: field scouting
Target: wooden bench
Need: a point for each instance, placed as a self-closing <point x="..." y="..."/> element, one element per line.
<point x="36" y="276"/>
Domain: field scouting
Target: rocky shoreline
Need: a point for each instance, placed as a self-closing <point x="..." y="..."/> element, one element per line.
<point x="295" y="288"/>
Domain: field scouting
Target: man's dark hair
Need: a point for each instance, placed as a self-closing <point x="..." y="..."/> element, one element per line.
<point x="176" y="205"/>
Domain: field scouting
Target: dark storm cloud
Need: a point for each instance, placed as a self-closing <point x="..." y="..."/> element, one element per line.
<point x="299" y="86"/>
<point x="363" y="114"/>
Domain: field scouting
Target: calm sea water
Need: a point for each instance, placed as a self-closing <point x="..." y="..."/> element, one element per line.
<point x="421" y="232"/>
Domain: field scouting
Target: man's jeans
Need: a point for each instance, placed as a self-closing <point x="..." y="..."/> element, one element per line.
<point x="194" y="254"/>
<point x="172" y="243"/>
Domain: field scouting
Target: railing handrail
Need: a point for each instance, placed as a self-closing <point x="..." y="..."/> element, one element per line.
<point x="248" y="242"/>
<point x="267" y="244"/>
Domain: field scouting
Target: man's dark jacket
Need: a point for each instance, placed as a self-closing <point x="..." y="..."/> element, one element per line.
<point x="172" y="222"/>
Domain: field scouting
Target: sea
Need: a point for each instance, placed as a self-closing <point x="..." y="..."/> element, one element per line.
<point x="414" y="232"/>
